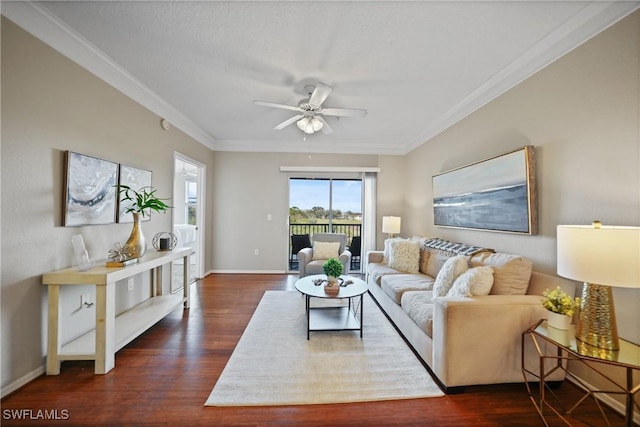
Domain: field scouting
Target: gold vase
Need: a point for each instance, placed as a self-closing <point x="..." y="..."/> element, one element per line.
<point x="136" y="246"/>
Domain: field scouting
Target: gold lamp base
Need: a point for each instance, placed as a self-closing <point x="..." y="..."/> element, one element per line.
<point x="597" y="325"/>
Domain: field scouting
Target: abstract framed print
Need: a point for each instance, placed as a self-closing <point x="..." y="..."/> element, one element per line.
<point x="497" y="194"/>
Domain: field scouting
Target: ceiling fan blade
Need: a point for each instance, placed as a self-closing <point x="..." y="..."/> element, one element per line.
<point x="320" y="93"/>
<point x="326" y="129"/>
<point x="274" y="105"/>
<point x="288" y="122"/>
<point x="345" y="112"/>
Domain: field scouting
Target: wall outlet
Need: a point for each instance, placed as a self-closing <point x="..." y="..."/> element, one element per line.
<point x="256" y="252"/>
<point x="85" y="301"/>
<point x="130" y="284"/>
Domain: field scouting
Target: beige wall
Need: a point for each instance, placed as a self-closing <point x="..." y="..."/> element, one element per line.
<point x="247" y="187"/>
<point x="50" y="105"/>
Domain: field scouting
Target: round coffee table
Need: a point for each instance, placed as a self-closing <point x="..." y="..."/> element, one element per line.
<point x="343" y="318"/>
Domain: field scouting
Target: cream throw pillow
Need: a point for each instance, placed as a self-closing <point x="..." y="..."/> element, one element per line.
<point x="473" y="282"/>
<point x="404" y="255"/>
<point x="387" y="248"/>
<point x="511" y="273"/>
<point x="449" y="272"/>
<point x="325" y="250"/>
<point x="435" y="261"/>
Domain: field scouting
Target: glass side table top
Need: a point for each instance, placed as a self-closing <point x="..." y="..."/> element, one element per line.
<point x="628" y="355"/>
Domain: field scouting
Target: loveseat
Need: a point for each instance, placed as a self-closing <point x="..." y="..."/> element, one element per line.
<point x="462" y="308"/>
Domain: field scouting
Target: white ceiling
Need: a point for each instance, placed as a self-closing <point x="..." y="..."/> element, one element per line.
<point x="417" y="67"/>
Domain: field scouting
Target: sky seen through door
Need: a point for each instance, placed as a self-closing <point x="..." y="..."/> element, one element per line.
<point x="308" y="193"/>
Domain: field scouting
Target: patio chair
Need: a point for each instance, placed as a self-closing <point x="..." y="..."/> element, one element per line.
<point x="309" y="264"/>
<point x="355" y="249"/>
<point x="298" y="242"/>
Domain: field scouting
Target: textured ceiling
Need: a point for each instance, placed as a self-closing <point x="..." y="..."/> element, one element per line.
<point x="417" y="67"/>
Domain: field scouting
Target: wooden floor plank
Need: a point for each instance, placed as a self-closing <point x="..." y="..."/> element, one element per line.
<point x="164" y="377"/>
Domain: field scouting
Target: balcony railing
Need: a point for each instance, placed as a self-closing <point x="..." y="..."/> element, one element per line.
<point x="351" y="230"/>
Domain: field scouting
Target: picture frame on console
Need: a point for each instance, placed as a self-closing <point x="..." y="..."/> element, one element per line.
<point x="496" y="194"/>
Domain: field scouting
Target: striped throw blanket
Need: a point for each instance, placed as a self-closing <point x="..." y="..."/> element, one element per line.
<point x="452" y="247"/>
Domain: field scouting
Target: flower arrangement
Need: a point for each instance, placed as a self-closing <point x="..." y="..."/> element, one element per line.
<point x="143" y="200"/>
<point x="332" y="268"/>
<point x="560" y="302"/>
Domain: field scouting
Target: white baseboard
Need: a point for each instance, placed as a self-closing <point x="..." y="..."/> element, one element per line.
<point x="24" y="380"/>
<point x="247" y="272"/>
<point x="607" y="400"/>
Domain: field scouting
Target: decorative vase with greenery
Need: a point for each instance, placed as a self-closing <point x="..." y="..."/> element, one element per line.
<point x="561" y="307"/>
<point x="333" y="269"/>
<point x="141" y="203"/>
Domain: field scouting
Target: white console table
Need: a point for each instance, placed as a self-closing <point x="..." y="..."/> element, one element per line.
<point x="112" y="332"/>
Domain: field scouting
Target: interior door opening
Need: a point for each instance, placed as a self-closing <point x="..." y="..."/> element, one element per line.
<point x="188" y="202"/>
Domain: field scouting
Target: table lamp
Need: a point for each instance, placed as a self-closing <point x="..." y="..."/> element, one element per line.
<point x="391" y="225"/>
<point x="601" y="257"/>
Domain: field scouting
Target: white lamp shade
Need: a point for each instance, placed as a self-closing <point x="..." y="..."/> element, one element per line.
<point x="391" y="224"/>
<point x="604" y="255"/>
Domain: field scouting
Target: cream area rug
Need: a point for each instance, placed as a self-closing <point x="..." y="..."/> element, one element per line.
<point x="275" y="364"/>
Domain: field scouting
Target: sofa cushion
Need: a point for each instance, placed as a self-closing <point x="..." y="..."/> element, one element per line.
<point x="326" y="250"/>
<point x="435" y="262"/>
<point x="473" y="282"/>
<point x="449" y="272"/>
<point x="387" y="248"/>
<point x="419" y="307"/>
<point x="404" y="255"/>
<point x="424" y="261"/>
<point x="511" y="273"/>
<point x="375" y="271"/>
<point x="395" y="285"/>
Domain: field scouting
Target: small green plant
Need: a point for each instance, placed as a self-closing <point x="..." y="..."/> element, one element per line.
<point x="332" y="268"/>
<point x="560" y="302"/>
<point x="143" y="201"/>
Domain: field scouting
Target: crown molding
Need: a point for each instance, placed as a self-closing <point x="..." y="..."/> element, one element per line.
<point x="49" y="29"/>
<point x="594" y="18"/>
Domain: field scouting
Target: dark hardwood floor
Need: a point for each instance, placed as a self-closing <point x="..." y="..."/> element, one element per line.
<point x="165" y="376"/>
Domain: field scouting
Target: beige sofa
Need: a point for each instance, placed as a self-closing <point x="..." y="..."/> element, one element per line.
<point x="464" y="340"/>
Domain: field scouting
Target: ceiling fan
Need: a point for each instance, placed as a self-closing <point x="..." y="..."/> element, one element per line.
<point x="310" y="111"/>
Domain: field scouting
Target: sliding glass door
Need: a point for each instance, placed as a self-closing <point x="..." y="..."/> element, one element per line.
<point x="324" y="205"/>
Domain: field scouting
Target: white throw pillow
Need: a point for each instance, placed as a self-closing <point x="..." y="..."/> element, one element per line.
<point x="404" y="255"/>
<point x="325" y="250"/>
<point x="473" y="282"/>
<point x="387" y="249"/>
<point x="449" y="272"/>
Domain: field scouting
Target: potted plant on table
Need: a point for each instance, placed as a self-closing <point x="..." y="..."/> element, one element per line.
<point x="141" y="203"/>
<point x="333" y="269"/>
<point x="561" y="307"/>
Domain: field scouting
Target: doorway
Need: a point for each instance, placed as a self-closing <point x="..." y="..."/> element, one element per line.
<point x="188" y="216"/>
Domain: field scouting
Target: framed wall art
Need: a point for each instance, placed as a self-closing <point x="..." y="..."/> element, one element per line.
<point x="136" y="179"/>
<point x="90" y="195"/>
<point x="497" y="194"/>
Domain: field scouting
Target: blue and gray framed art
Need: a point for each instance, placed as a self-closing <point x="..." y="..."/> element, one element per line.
<point x="496" y="194"/>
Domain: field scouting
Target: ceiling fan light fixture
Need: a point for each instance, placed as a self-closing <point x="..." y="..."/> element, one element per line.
<point x="309" y="128"/>
<point x="317" y="124"/>
<point x="303" y="123"/>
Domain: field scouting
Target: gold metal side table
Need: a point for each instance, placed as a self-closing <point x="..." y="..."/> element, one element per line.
<point x="568" y="348"/>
